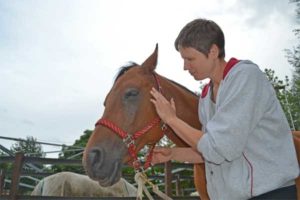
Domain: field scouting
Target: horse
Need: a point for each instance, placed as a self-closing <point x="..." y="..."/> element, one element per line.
<point x="130" y="122"/>
<point x="77" y="185"/>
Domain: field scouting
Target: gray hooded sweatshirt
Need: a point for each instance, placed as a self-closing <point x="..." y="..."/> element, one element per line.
<point x="247" y="143"/>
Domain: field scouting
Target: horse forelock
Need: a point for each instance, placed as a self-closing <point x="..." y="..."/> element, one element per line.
<point x="124" y="69"/>
<point x="121" y="72"/>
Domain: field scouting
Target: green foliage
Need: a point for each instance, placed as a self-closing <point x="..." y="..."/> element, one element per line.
<point x="297" y="2"/>
<point x="279" y="85"/>
<point x="5" y="166"/>
<point x="73" y="152"/>
<point x="293" y="56"/>
<point x="288" y="93"/>
<point x="28" y="147"/>
<point x="31" y="148"/>
<point x="285" y="96"/>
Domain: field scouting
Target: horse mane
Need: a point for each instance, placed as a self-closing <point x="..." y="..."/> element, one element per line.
<point x="183" y="87"/>
<point x="131" y="64"/>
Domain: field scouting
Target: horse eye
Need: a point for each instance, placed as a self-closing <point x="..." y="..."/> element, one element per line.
<point x="131" y="93"/>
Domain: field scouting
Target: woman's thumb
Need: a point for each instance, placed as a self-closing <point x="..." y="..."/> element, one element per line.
<point x="173" y="104"/>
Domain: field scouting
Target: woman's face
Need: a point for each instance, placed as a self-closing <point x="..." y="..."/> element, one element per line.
<point x="198" y="64"/>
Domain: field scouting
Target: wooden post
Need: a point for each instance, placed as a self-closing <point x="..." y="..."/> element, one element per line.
<point x="168" y="178"/>
<point x="178" y="186"/>
<point x="2" y="179"/>
<point x="19" y="159"/>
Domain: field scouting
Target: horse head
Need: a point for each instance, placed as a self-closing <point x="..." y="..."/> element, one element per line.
<point x="130" y="122"/>
<point x="127" y="108"/>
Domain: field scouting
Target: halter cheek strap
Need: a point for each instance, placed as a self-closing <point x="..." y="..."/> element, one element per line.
<point x="129" y="140"/>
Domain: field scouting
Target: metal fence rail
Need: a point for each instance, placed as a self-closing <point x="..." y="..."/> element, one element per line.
<point x="19" y="160"/>
<point x="7" y="197"/>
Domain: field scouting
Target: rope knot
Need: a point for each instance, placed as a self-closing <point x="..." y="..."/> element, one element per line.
<point x="141" y="178"/>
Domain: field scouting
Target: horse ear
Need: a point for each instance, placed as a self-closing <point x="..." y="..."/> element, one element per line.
<point x="150" y="63"/>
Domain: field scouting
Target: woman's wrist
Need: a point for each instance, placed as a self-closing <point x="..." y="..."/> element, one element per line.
<point x="171" y="121"/>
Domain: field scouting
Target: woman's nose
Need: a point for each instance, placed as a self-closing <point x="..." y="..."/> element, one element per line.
<point x="186" y="66"/>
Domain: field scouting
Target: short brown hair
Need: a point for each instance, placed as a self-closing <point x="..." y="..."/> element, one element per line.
<point x="201" y="34"/>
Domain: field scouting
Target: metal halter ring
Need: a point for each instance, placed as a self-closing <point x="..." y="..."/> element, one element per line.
<point x="164" y="127"/>
<point x="128" y="140"/>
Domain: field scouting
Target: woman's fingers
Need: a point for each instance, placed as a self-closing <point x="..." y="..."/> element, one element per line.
<point x="154" y="92"/>
<point x="164" y="108"/>
<point x="173" y="103"/>
<point x="157" y="95"/>
<point x="161" y="154"/>
<point x="158" y="150"/>
<point x="161" y="150"/>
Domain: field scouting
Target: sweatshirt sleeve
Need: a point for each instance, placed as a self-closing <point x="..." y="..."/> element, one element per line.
<point x="240" y="105"/>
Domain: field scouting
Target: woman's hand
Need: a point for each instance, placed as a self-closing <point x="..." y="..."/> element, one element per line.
<point x="161" y="155"/>
<point x="165" y="109"/>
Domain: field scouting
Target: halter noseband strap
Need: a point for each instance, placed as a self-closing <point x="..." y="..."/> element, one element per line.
<point x="129" y="140"/>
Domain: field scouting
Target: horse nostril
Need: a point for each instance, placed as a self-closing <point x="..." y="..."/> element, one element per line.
<point x="96" y="157"/>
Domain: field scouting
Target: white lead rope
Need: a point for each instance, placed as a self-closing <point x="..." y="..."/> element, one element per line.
<point x="141" y="178"/>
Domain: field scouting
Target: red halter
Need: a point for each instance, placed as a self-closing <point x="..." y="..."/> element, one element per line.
<point x="129" y="140"/>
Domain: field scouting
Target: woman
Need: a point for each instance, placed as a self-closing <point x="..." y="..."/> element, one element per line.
<point x="245" y="142"/>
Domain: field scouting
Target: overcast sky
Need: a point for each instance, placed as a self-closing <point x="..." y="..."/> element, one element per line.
<point x="58" y="58"/>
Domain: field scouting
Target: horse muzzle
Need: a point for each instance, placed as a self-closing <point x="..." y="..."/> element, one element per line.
<point x="102" y="167"/>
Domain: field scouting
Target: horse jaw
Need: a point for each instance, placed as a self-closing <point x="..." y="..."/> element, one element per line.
<point x="150" y="63"/>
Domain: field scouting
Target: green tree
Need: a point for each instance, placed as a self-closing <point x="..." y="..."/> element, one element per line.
<point x="73" y="152"/>
<point x="293" y="56"/>
<point x="28" y="147"/>
<point x="5" y="166"/>
<point x="283" y="93"/>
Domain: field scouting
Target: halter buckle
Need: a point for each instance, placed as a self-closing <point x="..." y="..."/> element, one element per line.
<point x="164" y="127"/>
<point x="128" y="140"/>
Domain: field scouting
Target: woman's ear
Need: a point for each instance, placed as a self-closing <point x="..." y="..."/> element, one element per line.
<point x="214" y="51"/>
